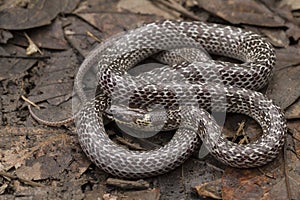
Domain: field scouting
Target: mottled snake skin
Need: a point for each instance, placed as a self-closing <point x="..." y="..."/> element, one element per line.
<point x="211" y="85"/>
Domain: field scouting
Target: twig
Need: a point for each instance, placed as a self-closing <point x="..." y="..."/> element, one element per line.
<point x="244" y="140"/>
<point x="124" y="184"/>
<point x="293" y="117"/>
<point x="291" y="131"/>
<point x="25" y="57"/>
<point x="287" y="183"/>
<point x="265" y="174"/>
<point x="30" y="102"/>
<point x="32" y="48"/>
<point x="239" y="132"/>
<point x="215" y="167"/>
<point x="293" y="150"/>
<point x="241" y="127"/>
<point x="93" y="36"/>
<point x="29" y="182"/>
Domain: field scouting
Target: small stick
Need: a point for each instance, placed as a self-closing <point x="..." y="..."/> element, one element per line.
<point x="30" y="102"/>
<point x="93" y="36"/>
<point x="25" y="57"/>
<point x="32" y="48"/>
<point x="29" y="182"/>
<point x="265" y="174"/>
<point x="286" y="176"/>
<point x="240" y="129"/>
<point x="124" y="184"/>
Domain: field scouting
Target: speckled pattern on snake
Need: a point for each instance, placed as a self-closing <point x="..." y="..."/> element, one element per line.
<point x="210" y="85"/>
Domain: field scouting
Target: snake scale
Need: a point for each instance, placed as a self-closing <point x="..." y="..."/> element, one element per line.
<point x="186" y="89"/>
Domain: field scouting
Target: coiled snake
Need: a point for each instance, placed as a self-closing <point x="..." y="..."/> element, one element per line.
<point x="211" y="85"/>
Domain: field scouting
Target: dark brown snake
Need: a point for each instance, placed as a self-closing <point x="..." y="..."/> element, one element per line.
<point x="210" y="85"/>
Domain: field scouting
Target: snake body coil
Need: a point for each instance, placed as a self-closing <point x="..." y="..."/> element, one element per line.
<point x="195" y="85"/>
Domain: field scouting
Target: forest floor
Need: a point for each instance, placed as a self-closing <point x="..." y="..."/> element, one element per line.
<point x="43" y="43"/>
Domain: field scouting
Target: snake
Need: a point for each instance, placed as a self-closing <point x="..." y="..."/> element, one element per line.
<point x="184" y="97"/>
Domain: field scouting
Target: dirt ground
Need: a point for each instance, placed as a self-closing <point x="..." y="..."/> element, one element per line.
<point x="43" y="43"/>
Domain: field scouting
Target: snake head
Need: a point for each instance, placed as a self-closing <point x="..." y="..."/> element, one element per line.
<point x="137" y="118"/>
<point x="129" y="116"/>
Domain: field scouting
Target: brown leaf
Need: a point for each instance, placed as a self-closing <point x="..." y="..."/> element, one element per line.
<point x="293" y="111"/>
<point x="287" y="57"/>
<point x="14" y="67"/>
<point x="122" y="21"/>
<point x="30" y="172"/>
<point x="293" y="31"/>
<point x="37" y="13"/>
<point x="5" y="36"/>
<point x="278" y="37"/>
<point x="58" y="87"/>
<point x="17" y="148"/>
<point x="284" y="87"/>
<point x="292" y="158"/>
<point x="49" y="37"/>
<point x="295" y="4"/>
<point x="147" y="7"/>
<point x="243" y="12"/>
<point x="77" y="35"/>
<point x="250" y="184"/>
<point x="210" y="189"/>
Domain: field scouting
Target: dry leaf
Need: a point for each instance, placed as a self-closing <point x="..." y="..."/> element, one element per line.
<point x="147" y="7"/>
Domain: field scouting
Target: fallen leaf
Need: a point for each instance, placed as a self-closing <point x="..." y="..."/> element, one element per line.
<point x="243" y="12"/>
<point x="5" y="36"/>
<point x="212" y="189"/>
<point x="37" y="13"/>
<point x="250" y="184"/>
<point x="284" y="87"/>
<point x="295" y="4"/>
<point x="147" y="7"/>
<point x="287" y="57"/>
